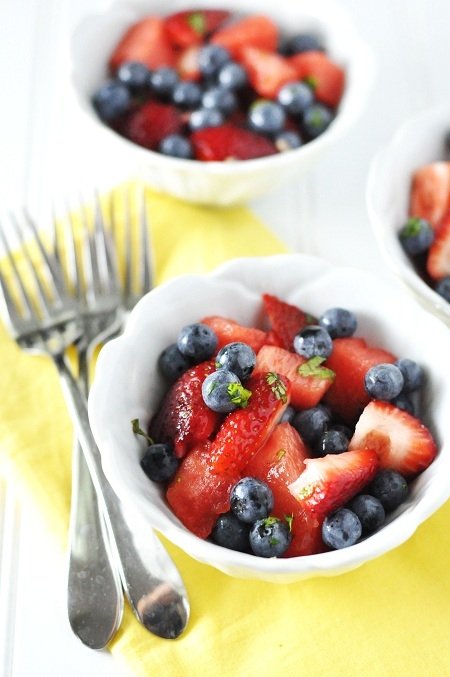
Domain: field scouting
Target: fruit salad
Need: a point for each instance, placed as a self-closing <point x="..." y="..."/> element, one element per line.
<point x="425" y="236"/>
<point x="207" y="85"/>
<point x="287" y="439"/>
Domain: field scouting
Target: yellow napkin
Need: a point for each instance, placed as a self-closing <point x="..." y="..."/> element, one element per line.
<point x="390" y="617"/>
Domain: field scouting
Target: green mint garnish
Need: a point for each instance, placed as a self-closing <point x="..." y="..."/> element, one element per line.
<point x="278" y="387"/>
<point x="238" y="394"/>
<point x="289" y="519"/>
<point x="270" y="521"/>
<point x="138" y="431"/>
<point x="274" y="541"/>
<point x="197" y="22"/>
<point x="411" y="228"/>
<point x="311" y="81"/>
<point x="313" y="368"/>
<point x="280" y="454"/>
<point x="310" y="319"/>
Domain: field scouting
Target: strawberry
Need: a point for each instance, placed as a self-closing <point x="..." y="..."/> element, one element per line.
<point x="401" y="441"/>
<point x="322" y="74"/>
<point x="438" y="258"/>
<point x="430" y="192"/>
<point x="244" y="431"/>
<point x="306" y="390"/>
<point x="187" y="64"/>
<point x="183" y="418"/>
<point x="286" y="320"/>
<point x="278" y="463"/>
<point x="198" y="496"/>
<point x="228" y="142"/>
<point x="267" y="71"/>
<point x="327" y="483"/>
<point x="255" y="31"/>
<point x="149" y="124"/>
<point x="228" y="331"/>
<point x="145" y="41"/>
<point x="350" y="360"/>
<point x="192" y="27"/>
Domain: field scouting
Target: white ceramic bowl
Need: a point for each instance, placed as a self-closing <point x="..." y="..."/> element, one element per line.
<point x="127" y="386"/>
<point x="419" y="141"/>
<point x="221" y="183"/>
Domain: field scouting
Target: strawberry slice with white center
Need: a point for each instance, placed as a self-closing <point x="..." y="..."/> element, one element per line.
<point x="438" y="259"/>
<point x="401" y="441"/>
<point x="329" y="482"/>
<point x="430" y="192"/>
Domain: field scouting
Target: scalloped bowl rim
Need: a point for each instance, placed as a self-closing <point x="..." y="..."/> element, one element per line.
<point x="231" y="276"/>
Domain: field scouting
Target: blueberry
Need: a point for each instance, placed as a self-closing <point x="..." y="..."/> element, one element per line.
<point x="220" y="98"/>
<point x="370" y="512"/>
<point x="287" y="140"/>
<point x="345" y="430"/>
<point x="266" y="117"/>
<point x="159" y="462"/>
<point x="384" y="381"/>
<point x="251" y="500"/>
<point x="270" y="537"/>
<point x="288" y="415"/>
<point x="211" y="58"/>
<point x="223" y="392"/>
<point x="341" y="529"/>
<point x="389" y="487"/>
<point x="111" y="100"/>
<point x="176" y="145"/>
<point x="232" y="76"/>
<point x="316" y="119"/>
<point x="205" y="117"/>
<point x="134" y="75"/>
<point x="332" y="441"/>
<point x="416" y="236"/>
<point x="303" y="42"/>
<point x="295" y="97"/>
<point x="187" y="94"/>
<point x="229" y="532"/>
<point x="313" y="341"/>
<point x="163" y="81"/>
<point x="238" y="357"/>
<point x="338" y="322"/>
<point x="413" y="374"/>
<point x="172" y="363"/>
<point x="403" y="401"/>
<point x="312" y="423"/>
<point x="197" y="341"/>
<point x="443" y="288"/>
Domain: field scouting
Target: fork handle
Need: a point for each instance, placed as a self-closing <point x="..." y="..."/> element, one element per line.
<point x="150" y="579"/>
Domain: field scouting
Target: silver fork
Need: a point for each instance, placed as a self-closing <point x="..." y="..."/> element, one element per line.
<point x="150" y="579"/>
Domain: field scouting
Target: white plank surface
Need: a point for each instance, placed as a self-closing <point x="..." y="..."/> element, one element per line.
<point x="411" y="44"/>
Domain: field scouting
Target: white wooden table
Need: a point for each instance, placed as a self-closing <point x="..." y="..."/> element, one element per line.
<point x="411" y="45"/>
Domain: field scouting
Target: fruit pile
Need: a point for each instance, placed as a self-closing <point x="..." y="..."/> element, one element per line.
<point x="206" y="85"/>
<point x="425" y="236"/>
<point x="289" y="440"/>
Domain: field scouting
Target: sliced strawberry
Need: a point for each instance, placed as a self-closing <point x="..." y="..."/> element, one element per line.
<point x="183" y="418"/>
<point x="306" y="391"/>
<point x="267" y="71"/>
<point x="149" y="124"/>
<point x="401" y="441"/>
<point x="438" y="258"/>
<point x="255" y="31"/>
<point x="244" y="431"/>
<point x="228" y="142"/>
<point x="329" y="482"/>
<point x="192" y="27"/>
<point x="145" y="41"/>
<point x="196" y="495"/>
<point x="430" y="192"/>
<point x="228" y="331"/>
<point x="187" y="64"/>
<point x="350" y="360"/>
<point x="322" y="74"/>
<point x="286" y="320"/>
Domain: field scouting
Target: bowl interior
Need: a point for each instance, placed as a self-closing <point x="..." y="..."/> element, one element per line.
<point x="127" y="385"/>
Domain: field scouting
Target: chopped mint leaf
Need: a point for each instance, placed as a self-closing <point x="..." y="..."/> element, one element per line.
<point x="289" y="519"/>
<point x="238" y="394"/>
<point x="197" y="22"/>
<point x="311" y="81"/>
<point x="138" y="431"/>
<point x="274" y="541"/>
<point x="412" y="227"/>
<point x="313" y="368"/>
<point x="278" y="387"/>
<point x="269" y="521"/>
<point x="280" y="454"/>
